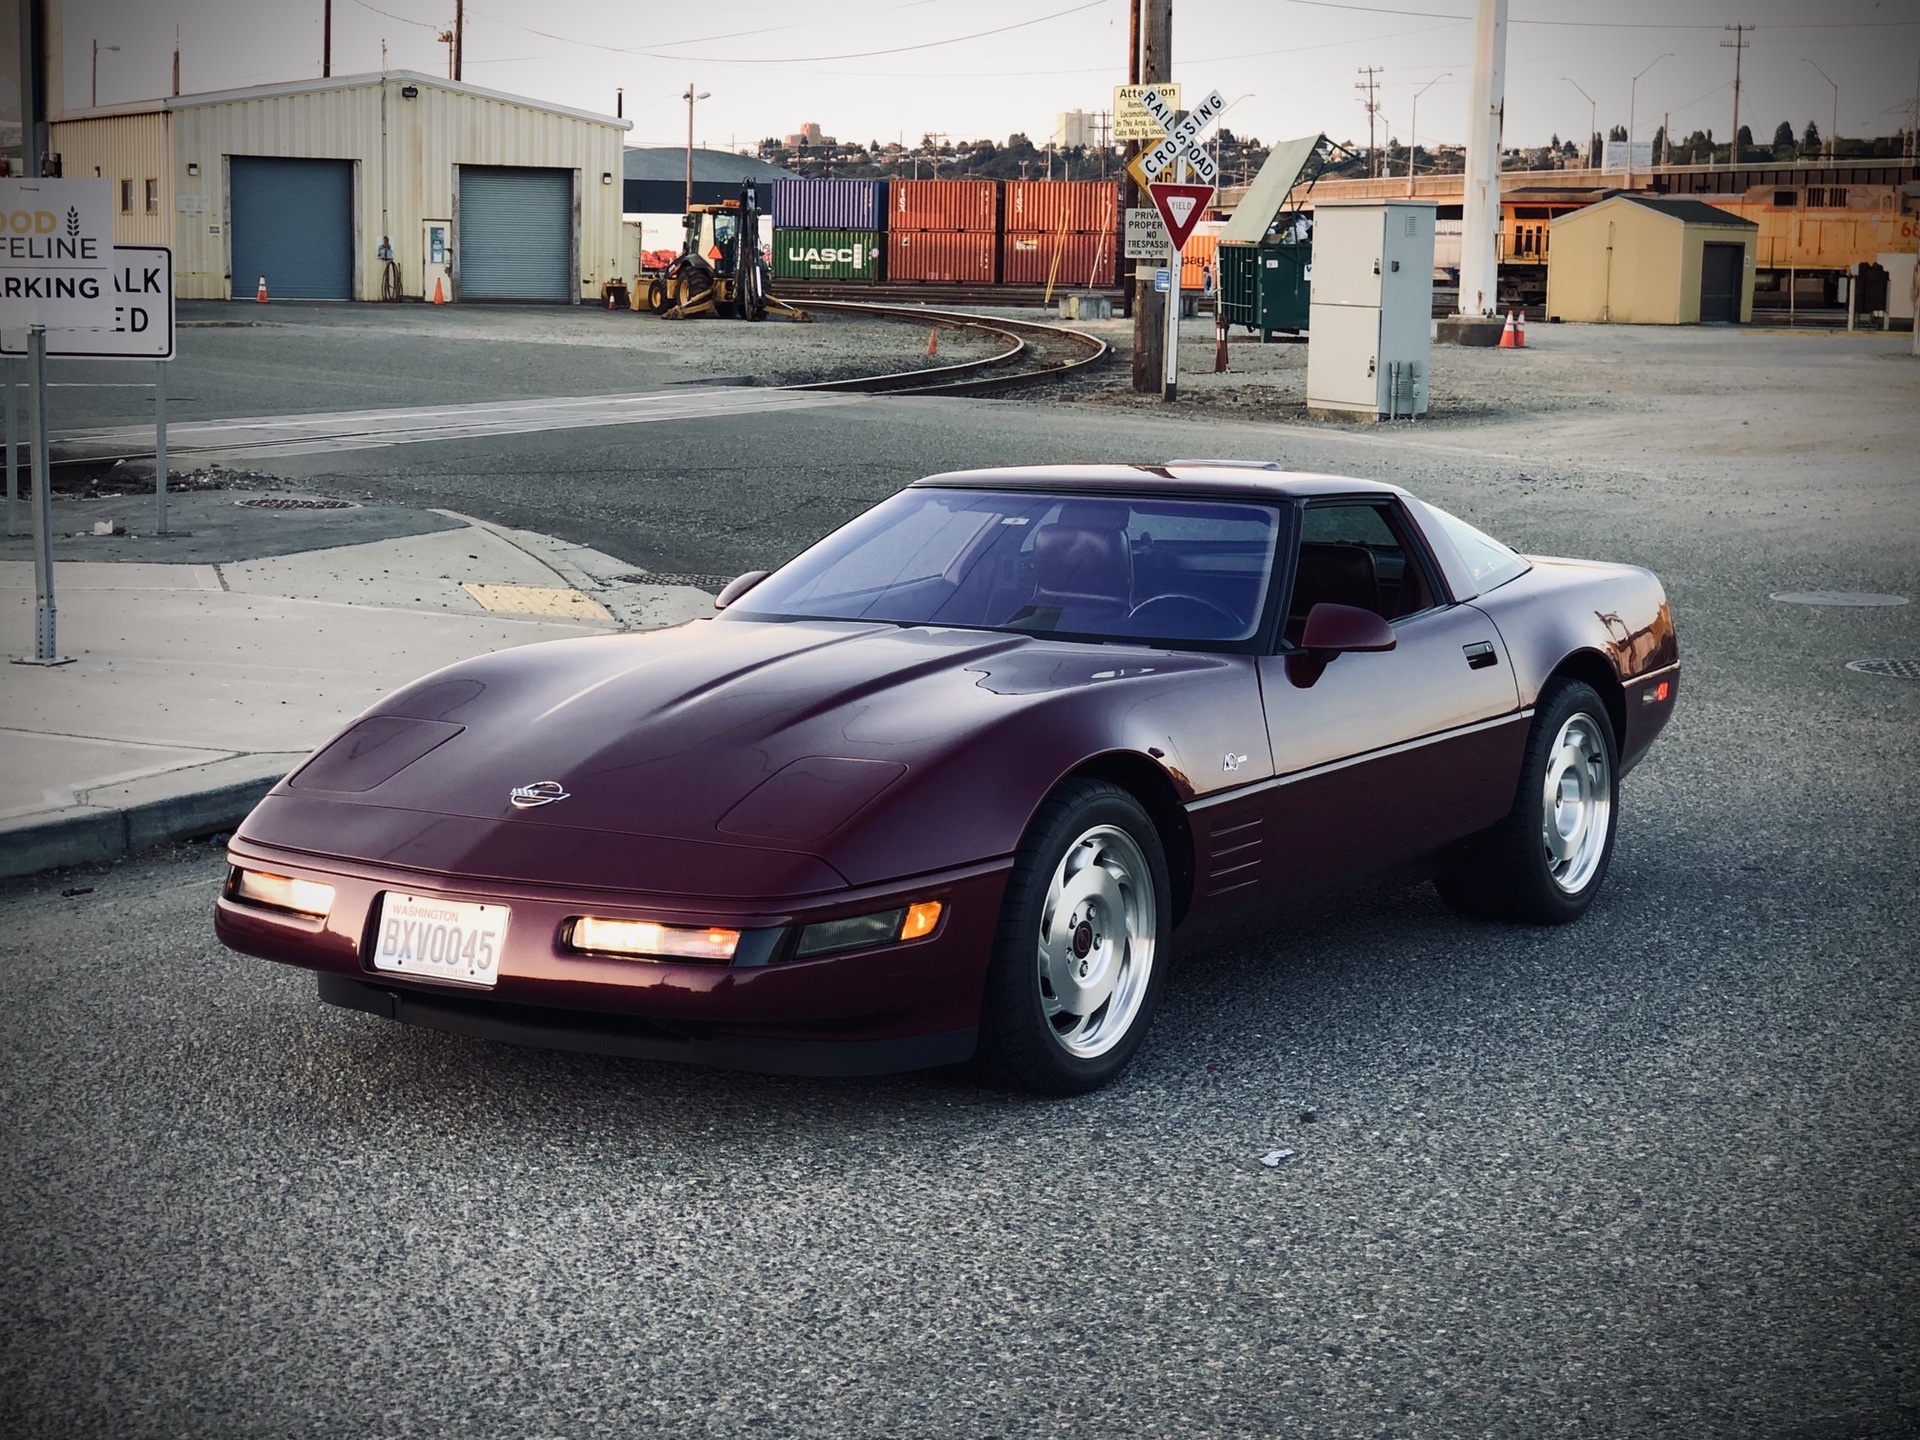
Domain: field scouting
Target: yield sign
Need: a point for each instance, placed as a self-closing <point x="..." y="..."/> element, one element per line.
<point x="1180" y="207"/>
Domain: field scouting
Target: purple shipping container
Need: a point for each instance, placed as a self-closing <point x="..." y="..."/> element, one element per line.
<point x="941" y="257"/>
<point x="829" y="204"/>
<point x="943" y="205"/>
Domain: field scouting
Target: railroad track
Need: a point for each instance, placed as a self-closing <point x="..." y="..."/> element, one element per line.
<point x="1034" y="353"/>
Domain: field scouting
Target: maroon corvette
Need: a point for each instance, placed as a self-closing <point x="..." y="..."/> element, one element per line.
<point x="941" y="787"/>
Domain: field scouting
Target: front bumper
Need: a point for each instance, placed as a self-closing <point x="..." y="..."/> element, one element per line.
<point x="892" y="1007"/>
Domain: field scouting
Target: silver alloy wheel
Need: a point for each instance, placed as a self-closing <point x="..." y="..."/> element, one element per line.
<point x="1098" y="929"/>
<point x="1578" y="803"/>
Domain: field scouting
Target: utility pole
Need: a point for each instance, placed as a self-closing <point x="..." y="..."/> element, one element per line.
<point x="1738" y="44"/>
<point x="176" y="59"/>
<point x="326" y="41"/>
<point x="459" y="38"/>
<point x="1153" y="63"/>
<point x="1486" y="116"/>
<point x="1371" y="85"/>
<point x="690" y="97"/>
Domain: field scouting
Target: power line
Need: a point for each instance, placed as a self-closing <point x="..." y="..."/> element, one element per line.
<point x="1602" y="24"/>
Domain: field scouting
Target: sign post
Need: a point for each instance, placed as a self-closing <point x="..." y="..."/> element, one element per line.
<point x="55" y="274"/>
<point x="1180" y="204"/>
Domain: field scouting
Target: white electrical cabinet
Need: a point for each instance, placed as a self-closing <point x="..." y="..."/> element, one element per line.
<point x="1370" y="311"/>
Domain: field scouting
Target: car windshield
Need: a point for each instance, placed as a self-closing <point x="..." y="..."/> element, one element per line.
<point x="1088" y="566"/>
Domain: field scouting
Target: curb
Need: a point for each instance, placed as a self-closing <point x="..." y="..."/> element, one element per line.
<point x="92" y="835"/>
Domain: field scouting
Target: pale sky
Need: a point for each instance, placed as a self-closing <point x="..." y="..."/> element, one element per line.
<point x="892" y="68"/>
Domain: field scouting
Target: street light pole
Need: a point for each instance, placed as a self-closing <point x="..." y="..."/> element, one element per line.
<point x="1413" y="130"/>
<point x="690" y="97"/>
<point x="1593" y="123"/>
<point x="1633" y="95"/>
<point x="1833" y="135"/>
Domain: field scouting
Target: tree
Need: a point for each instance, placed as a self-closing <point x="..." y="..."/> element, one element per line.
<point x="1810" y="142"/>
<point x="1742" y="143"/>
<point x="1660" y="144"/>
<point x="1618" y="132"/>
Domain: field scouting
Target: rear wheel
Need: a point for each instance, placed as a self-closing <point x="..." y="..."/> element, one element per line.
<point x="1080" y="956"/>
<point x="1545" y="862"/>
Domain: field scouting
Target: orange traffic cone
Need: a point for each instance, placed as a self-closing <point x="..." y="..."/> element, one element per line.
<point x="439" y="295"/>
<point x="1520" y="332"/>
<point x="933" y="342"/>
<point x="1509" y="337"/>
<point x="260" y="295"/>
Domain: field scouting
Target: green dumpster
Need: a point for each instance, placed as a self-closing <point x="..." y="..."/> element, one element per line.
<point x="1265" y="286"/>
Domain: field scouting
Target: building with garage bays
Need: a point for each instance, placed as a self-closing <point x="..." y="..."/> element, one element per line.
<point x="362" y="187"/>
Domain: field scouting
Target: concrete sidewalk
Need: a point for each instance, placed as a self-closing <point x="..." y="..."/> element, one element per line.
<point x="195" y="687"/>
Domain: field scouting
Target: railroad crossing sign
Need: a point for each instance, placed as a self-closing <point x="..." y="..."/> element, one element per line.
<point x="1182" y="140"/>
<point x="1181" y="207"/>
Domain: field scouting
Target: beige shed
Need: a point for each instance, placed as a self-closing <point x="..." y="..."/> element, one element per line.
<point x="1651" y="260"/>
<point x="362" y="187"/>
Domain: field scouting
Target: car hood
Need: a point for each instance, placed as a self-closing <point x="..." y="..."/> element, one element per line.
<point x="738" y="742"/>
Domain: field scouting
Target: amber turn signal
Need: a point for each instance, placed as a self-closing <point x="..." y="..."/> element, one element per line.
<point x="920" y="920"/>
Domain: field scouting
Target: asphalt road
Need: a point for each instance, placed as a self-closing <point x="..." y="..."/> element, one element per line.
<point x="1648" y="1176"/>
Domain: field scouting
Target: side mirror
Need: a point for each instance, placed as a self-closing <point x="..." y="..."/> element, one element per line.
<point x="736" y="588"/>
<point x="1333" y="629"/>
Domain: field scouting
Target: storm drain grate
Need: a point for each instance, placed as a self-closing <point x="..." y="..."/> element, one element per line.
<point x="1836" y="597"/>
<point x="289" y="502"/>
<point x="1894" y="669"/>
<point x="715" y="583"/>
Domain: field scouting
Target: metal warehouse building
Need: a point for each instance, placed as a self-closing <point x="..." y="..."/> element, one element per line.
<point x="359" y="186"/>
<point x="1651" y="260"/>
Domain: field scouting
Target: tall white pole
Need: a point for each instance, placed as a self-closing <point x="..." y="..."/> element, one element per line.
<point x="1480" y="224"/>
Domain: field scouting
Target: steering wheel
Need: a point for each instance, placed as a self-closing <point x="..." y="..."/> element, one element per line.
<point x="1208" y="608"/>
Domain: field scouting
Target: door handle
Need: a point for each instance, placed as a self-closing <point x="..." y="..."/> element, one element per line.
<point x="1480" y="655"/>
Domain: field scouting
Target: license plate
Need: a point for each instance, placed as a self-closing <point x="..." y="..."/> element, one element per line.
<point x="440" y="939"/>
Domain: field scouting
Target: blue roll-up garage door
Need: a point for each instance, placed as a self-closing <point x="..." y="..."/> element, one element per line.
<point x="516" y="233"/>
<point x="292" y="221"/>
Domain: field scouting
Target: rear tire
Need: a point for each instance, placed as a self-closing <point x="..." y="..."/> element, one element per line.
<point x="1544" y="863"/>
<point x="1081" y="951"/>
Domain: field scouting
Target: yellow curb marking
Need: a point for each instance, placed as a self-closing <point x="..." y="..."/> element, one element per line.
<point x="553" y="602"/>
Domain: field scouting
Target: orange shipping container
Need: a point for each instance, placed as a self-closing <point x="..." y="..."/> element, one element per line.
<point x="1083" y="260"/>
<point x="941" y="257"/>
<point x="1071" y="205"/>
<point x="943" y="205"/>
<point x="1199" y="252"/>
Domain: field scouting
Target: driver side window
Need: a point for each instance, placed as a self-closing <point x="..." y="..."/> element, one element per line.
<point x="1356" y="553"/>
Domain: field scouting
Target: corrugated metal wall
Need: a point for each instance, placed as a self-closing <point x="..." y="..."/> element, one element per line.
<point x="425" y="138"/>
<point x="126" y="147"/>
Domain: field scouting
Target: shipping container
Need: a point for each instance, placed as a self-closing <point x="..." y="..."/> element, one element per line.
<point x="829" y="204"/>
<point x="854" y="255"/>
<point x="1197" y="257"/>
<point x="1066" y="261"/>
<point x="943" y="205"/>
<point x="941" y="257"/>
<point x="1083" y="206"/>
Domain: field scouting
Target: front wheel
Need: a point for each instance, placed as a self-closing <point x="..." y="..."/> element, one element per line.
<point x="1080" y="955"/>
<point x="1544" y="863"/>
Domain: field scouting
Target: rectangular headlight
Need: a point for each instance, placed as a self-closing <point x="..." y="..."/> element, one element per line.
<point x="646" y="939"/>
<point x="281" y="892"/>
<point x="858" y="932"/>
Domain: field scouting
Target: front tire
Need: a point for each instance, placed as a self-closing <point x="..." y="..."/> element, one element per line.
<point x="1545" y="862"/>
<point x="1081" y="951"/>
